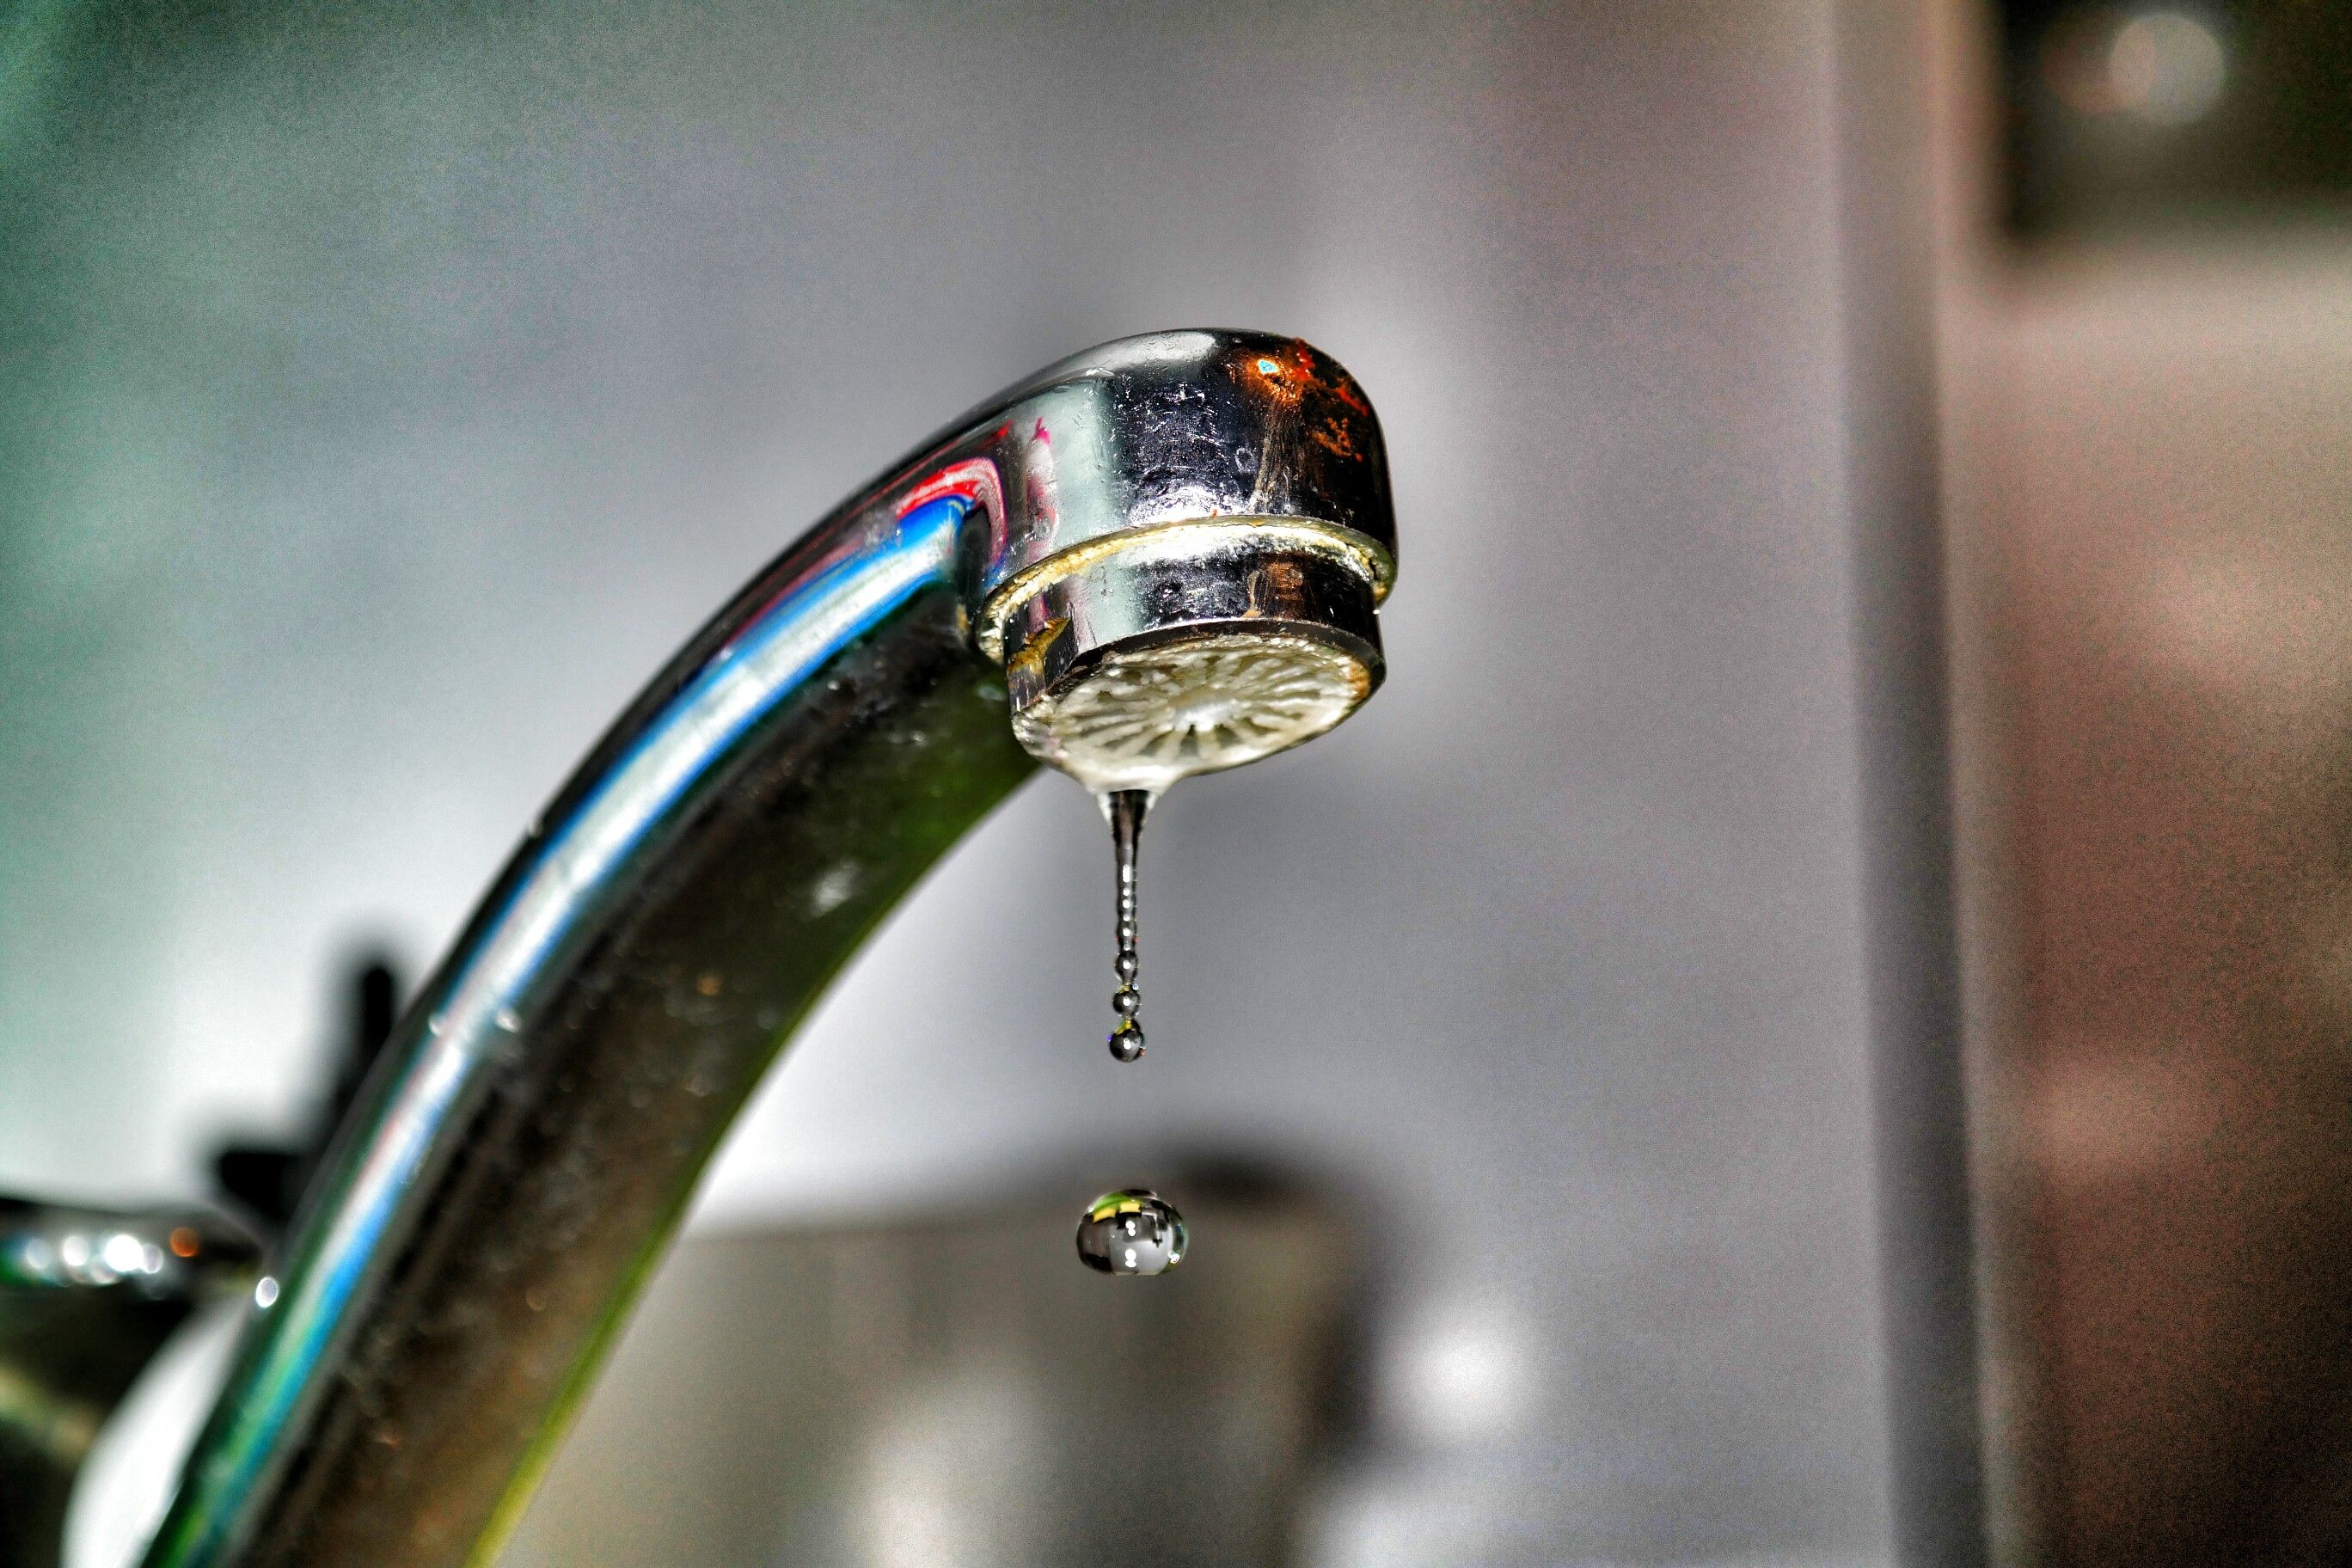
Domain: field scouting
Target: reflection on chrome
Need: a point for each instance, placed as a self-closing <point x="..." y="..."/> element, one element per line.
<point x="86" y="1298"/>
<point x="173" y="1252"/>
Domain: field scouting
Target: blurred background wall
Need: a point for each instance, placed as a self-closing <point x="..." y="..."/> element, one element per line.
<point x="389" y="390"/>
<point x="2145" y="303"/>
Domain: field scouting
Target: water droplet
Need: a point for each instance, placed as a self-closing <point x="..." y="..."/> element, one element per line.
<point x="1131" y="1231"/>
<point x="1126" y="809"/>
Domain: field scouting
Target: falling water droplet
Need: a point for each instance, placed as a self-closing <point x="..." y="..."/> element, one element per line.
<point x="1132" y="1231"/>
<point x="1126" y="809"/>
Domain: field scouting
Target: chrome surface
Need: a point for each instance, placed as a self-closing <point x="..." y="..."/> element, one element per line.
<point x="86" y="1298"/>
<point x="524" y="1149"/>
<point x="173" y="1252"/>
<point x="1190" y="650"/>
<point x="1179" y="428"/>
<point x="1231" y="615"/>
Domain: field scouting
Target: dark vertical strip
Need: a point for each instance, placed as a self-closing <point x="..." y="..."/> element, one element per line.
<point x="1912" y="926"/>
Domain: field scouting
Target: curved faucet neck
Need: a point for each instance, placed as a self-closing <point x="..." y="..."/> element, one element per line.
<point x="531" y="1134"/>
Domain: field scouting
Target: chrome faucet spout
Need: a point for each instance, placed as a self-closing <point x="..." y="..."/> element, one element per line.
<point x="1154" y="559"/>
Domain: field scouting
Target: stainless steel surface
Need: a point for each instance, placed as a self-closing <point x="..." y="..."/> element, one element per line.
<point x="1194" y="649"/>
<point x="531" y="1135"/>
<point x="1231" y="615"/>
<point x="949" y="1387"/>
<point x="88" y="1297"/>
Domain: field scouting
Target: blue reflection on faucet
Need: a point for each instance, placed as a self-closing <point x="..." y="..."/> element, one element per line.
<point x="786" y="642"/>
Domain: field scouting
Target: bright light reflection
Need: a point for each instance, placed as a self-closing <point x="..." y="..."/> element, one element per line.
<point x="2166" y="67"/>
<point x="123" y="1254"/>
<point x="1461" y="1378"/>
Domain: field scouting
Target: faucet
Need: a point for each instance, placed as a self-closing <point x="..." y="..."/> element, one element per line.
<point x="87" y="1296"/>
<point x="1158" y="558"/>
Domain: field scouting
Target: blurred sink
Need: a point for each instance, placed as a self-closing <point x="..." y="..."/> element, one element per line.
<point x="952" y="1387"/>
